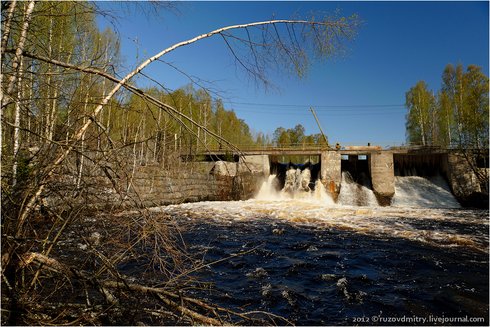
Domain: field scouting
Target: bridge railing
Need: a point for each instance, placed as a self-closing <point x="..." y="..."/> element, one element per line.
<point x="256" y="147"/>
<point x="321" y="147"/>
<point x="290" y="147"/>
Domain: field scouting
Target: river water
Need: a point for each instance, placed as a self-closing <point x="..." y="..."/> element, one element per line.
<point x="297" y="254"/>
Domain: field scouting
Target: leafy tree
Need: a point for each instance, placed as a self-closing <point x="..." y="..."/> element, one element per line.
<point x="296" y="137"/>
<point x="445" y="119"/>
<point x="62" y="98"/>
<point x="297" y="134"/>
<point x="457" y="118"/>
<point x="421" y="107"/>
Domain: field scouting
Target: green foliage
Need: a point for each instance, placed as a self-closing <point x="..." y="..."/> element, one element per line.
<point x="54" y="100"/>
<point x="146" y="121"/>
<point x="457" y="116"/>
<point x="421" y="108"/>
<point x="296" y="137"/>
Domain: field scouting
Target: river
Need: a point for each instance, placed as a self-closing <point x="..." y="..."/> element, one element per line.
<point x="297" y="254"/>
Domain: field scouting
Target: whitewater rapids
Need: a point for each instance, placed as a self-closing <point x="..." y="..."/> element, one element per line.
<point x="425" y="216"/>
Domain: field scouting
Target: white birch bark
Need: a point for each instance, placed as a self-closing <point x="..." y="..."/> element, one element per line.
<point x="6" y="25"/>
<point x="17" y="126"/>
<point x="15" y="65"/>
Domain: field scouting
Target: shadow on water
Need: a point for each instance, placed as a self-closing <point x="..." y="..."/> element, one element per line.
<point x="325" y="276"/>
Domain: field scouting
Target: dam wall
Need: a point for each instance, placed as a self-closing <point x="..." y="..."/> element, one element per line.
<point x="222" y="180"/>
<point x="202" y="181"/>
<point x="382" y="176"/>
<point x="331" y="172"/>
<point x="466" y="186"/>
<point x="151" y="185"/>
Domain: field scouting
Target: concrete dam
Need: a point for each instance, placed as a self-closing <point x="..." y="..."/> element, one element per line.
<point x="368" y="174"/>
<point x="374" y="168"/>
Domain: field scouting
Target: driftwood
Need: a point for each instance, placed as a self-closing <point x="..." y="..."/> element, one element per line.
<point x="164" y="296"/>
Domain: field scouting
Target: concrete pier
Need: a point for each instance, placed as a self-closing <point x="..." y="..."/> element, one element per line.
<point x="382" y="176"/>
<point x="330" y="172"/>
<point x="256" y="164"/>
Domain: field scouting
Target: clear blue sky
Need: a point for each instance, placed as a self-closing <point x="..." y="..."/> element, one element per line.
<point x="358" y="97"/>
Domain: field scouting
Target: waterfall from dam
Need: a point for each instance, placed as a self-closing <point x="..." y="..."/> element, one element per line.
<point x="410" y="191"/>
<point x="421" y="192"/>
<point x="355" y="194"/>
<point x="296" y="186"/>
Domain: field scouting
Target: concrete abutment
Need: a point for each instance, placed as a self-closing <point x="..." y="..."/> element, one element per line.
<point x="241" y="179"/>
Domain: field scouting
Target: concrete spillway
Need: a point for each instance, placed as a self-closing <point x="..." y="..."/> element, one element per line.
<point x="373" y="168"/>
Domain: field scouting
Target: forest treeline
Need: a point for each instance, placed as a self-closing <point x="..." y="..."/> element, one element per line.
<point x="294" y="137"/>
<point x="51" y="102"/>
<point x="455" y="116"/>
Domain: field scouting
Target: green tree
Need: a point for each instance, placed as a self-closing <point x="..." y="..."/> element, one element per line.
<point x="277" y="134"/>
<point x="421" y="108"/>
<point x="463" y="106"/>
<point x="457" y="118"/>
<point x="445" y="119"/>
<point x="297" y="134"/>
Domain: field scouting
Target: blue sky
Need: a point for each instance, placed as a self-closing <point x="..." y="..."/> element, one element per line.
<point x="358" y="97"/>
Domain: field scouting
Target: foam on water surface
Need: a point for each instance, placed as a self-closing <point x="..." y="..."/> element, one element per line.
<point x="422" y="210"/>
<point x="427" y="225"/>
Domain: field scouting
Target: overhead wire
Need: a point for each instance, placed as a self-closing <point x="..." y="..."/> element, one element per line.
<point x="316" y="105"/>
<point x="332" y="110"/>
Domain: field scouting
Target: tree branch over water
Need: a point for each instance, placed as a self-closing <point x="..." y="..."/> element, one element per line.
<point x="325" y="40"/>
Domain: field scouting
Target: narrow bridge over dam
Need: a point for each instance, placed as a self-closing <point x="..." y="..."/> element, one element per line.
<point x="378" y="165"/>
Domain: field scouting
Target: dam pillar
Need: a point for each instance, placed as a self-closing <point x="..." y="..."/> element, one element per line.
<point x="331" y="173"/>
<point x="382" y="176"/>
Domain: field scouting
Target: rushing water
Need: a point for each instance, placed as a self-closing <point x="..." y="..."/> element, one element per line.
<point x="316" y="262"/>
<point x="352" y="193"/>
<point x="416" y="191"/>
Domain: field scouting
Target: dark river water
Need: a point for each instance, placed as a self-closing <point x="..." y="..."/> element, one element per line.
<point x="298" y="254"/>
<point x="317" y="265"/>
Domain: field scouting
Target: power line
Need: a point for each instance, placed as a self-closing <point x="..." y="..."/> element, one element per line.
<point x="330" y="113"/>
<point x="317" y="106"/>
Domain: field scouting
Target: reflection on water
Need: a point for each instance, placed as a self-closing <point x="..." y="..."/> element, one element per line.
<point x="318" y="263"/>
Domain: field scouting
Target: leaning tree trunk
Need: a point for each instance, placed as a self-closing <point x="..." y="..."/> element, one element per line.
<point x="342" y="26"/>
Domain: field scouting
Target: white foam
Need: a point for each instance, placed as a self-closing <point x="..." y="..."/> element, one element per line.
<point x="354" y="194"/>
<point x="420" y="192"/>
<point x="296" y="187"/>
